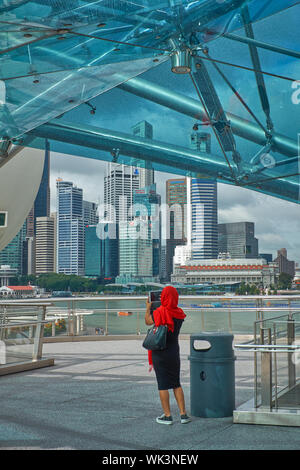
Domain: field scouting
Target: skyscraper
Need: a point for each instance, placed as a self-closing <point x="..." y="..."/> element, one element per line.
<point x="203" y="218"/>
<point x="12" y="254"/>
<point x="148" y="199"/>
<point x="135" y="251"/>
<point x="200" y="141"/>
<point x="145" y="170"/>
<point x="108" y="232"/>
<point x="90" y="216"/>
<point x="202" y="224"/>
<point x="176" y="199"/>
<point x="119" y="185"/>
<point x="70" y="229"/>
<point x="41" y="206"/>
<point x="237" y="239"/>
<point x="44" y="245"/>
<point x="92" y="249"/>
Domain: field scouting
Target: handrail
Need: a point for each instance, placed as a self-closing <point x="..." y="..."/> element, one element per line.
<point x="268" y="347"/>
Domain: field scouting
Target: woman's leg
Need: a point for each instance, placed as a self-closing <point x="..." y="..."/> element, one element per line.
<point x="179" y="395"/>
<point x="165" y="401"/>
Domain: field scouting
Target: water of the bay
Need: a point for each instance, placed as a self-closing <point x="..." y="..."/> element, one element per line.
<point x="201" y="315"/>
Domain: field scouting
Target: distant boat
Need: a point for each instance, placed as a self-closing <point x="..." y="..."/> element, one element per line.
<point x="124" y="314"/>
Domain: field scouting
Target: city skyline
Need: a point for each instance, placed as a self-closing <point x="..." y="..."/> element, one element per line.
<point x="234" y="204"/>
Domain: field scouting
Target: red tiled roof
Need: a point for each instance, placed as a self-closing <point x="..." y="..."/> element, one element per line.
<point x="20" y="287"/>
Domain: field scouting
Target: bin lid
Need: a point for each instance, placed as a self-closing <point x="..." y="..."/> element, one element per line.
<point x="211" y="345"/>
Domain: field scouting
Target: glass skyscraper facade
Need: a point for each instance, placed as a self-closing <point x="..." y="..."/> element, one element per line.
<point x="148" y="198"/>
<point x="237" y="239"/>
<point x="92" y="244"/>
<point x="12" y="254"/>
<point x="145" y="171"/>
<point x="70" y="229"/>
<point x="102" y="251"/>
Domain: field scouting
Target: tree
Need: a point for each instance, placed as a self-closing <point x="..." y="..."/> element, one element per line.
<point x="284" y="281"/>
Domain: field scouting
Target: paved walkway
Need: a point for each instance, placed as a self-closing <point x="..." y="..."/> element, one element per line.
<point x="100" y="396"/>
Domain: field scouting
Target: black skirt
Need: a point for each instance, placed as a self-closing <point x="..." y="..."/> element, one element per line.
<point x="166" y="363"/>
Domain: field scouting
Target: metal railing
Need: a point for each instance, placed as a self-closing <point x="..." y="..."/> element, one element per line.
<point x="276" y="346"/>
<point x="21" y="335"/>
<point x="86" y="315"/>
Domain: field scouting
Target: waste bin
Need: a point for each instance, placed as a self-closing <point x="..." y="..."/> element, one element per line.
<point x="212" y="375"/>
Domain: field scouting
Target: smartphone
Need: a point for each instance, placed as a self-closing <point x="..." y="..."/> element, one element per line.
<point x="154" y="296"/>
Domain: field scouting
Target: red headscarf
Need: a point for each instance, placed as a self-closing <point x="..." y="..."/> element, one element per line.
<point x="168" y="310"/>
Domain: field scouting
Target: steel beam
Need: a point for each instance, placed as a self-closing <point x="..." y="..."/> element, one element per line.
<point x="191" y="107"/>
<point x="262" y="45"/>
<point x="171" y="156"/>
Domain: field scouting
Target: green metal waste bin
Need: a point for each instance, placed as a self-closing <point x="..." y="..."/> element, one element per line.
<point x="212" y="375"/>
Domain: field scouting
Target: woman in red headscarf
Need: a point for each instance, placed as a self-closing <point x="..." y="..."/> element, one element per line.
<point x="166" y="363"/>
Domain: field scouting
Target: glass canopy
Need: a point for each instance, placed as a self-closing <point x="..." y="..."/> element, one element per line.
<point x="227" y="67"/>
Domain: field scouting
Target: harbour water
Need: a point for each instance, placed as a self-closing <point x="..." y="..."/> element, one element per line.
<point x="236" y="315"/>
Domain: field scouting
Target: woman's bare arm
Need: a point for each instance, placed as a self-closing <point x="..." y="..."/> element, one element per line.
<point x="148" y="317"/>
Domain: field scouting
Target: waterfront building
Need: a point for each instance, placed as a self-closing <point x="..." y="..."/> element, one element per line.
<point x="296" y="279"/>
<point x="237" y="239"/>
<point x="44" y="245"/>
<point x="6" y="273"/>
<point x="70" y="229"/>
<point x="225" y="270"/>
<point x="284" y="265"/>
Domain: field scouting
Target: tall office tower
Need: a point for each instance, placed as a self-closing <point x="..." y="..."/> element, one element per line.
<point x="108" y="233"/>
<point x="28" y="263"/>
<point x="135" y="251"/>
<point x="200" y="141"/>
<point x="70" y="229"/>
<point x="147" y="203"/>
<point x="202" y="220"/>
<point x="238" y="240"/>
<point x="92" y="249"/>
<point x="41" y="206"/>
<point x="145" y="170"/>
<point x="54" y="217"/>
<point x="176" y="199"/>
<point x="42" y="200"/>
<point x="12" y="254"/>
<point x="202" y="207"/>
<point x="119" y="185"/>
<point x="284" y="265"/>
<point x="44" y="245"/>
<point x="90" y="216"/>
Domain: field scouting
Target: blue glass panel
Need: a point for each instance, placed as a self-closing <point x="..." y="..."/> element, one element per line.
<point x="57" y="55"/>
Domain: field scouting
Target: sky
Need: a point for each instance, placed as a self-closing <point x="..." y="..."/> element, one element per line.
<point x="277" y="222"/>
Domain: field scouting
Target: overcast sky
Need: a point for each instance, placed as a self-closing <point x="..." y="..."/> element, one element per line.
<point x="277" y="222"/>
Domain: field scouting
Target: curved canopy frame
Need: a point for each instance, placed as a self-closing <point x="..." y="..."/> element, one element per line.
<point x="57" y="55"/>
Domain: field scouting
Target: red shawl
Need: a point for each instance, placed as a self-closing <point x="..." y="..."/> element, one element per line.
<point x="168" y="310"/>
